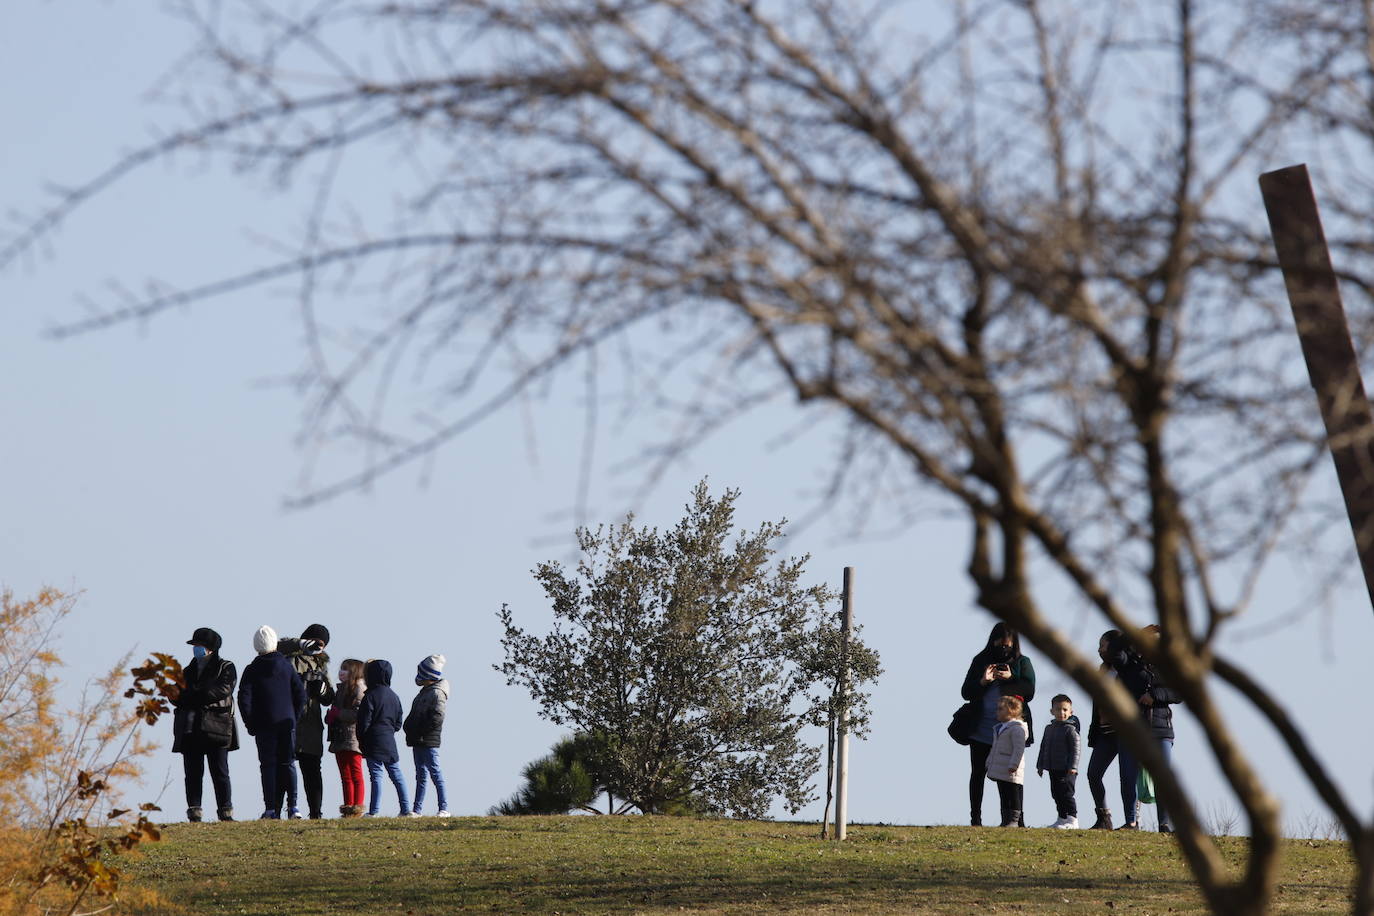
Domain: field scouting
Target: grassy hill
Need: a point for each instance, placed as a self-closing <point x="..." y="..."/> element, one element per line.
<point x="669" y="865"/>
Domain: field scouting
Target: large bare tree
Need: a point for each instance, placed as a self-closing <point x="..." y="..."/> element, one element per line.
<point x="1015" y="244"/>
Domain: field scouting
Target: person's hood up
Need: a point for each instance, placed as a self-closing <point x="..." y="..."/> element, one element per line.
<point x="377" y="673"/>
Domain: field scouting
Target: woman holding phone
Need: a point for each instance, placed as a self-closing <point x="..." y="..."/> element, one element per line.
<point x="999" y="670"/>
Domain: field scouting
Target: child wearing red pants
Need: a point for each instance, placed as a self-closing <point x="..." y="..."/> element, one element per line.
<point x="343" y="736"/>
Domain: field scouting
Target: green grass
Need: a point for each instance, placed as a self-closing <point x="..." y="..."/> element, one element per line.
<point x="670" y="865"/>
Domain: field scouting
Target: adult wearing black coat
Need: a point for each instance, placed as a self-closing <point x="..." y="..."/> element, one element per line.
<point x="311" y="662"/>
<point x="1143" y="682"/>
<point x="203" y="729"/>
<point x="271" y="699"/>
<point x="999" y="670"/>
<point x="1105" y="746"/>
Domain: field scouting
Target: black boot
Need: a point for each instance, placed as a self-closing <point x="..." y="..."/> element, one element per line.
<point x="975" y="818"/>
<point x="1104" y="819"/>
<point x="193" y="815"/>
<point x="1011" y="817"/>
<point x="226" y="813"/>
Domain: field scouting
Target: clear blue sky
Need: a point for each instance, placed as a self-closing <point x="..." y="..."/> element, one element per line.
<point x="145" y="466"/>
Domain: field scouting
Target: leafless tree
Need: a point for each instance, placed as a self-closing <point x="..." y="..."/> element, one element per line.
<point x="1016" y="244"/>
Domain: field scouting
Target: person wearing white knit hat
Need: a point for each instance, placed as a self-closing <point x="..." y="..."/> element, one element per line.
<point x="423" y="727"/>
<point x="271" y="698"/>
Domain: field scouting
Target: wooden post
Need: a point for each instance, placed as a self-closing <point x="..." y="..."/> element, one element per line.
<point x="1332" y="364"/>
<point x="842" y="732"/>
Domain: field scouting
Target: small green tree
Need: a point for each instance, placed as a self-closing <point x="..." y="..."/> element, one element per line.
<point x="693" y="658"/>
<point x="566" y="779"/>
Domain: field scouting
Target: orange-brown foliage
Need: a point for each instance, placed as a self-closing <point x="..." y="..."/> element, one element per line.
<point x="60" y="828"/>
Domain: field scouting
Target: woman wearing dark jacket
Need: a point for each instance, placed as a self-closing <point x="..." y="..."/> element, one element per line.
<point x="998" y="670"/>
<point x="1143" y="682"/>
<point x="203" y="729"/>
<point x="1102" y="740"/>
<point x="379" y="719"/>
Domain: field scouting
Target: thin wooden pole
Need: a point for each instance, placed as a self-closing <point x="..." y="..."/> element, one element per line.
<point x="842" y="731"/>
<point x="1332" y="364"/>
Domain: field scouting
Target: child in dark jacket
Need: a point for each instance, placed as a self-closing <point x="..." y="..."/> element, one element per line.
<point x="1059" y="753"/>
<point x="423" y="727"/>
<point x="379" y="719"/>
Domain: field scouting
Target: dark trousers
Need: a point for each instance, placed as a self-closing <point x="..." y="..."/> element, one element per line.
<point x="312" y="780"/>
<point x="1129" y="768"/>
<point x="1104" y="752"/>
<point x="193" y="765"/>
<point x="978" y="774"/>
<point x="1061" y="790"/>
<point x="276" y="747"/>
<point x="1010" y="794"/>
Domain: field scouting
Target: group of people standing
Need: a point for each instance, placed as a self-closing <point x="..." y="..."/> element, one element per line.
<point x="282" y="700"/>
<point x="995" y="722"/>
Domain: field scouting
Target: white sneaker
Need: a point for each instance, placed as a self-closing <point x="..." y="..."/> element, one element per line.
<point x="443" y="814"/>
<point x="1057" y="825"/>
<point x="296" y="815"/>
<point x="1067" y="823"/>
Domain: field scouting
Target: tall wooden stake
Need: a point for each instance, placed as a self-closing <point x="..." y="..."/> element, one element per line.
<point x="1331" y="362"/>
<point x="842" y="732"/>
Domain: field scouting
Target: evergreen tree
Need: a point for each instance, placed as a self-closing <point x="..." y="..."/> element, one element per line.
<point x="692" y="658"/>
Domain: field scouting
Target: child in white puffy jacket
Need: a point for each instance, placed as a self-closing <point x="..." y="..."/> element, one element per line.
<point x="1006" y="760"/>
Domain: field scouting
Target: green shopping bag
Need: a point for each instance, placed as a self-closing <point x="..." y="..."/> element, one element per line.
<point x="1145" y="787"/>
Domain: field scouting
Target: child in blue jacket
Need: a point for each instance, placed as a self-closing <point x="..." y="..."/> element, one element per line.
<point x="379" y="719"/>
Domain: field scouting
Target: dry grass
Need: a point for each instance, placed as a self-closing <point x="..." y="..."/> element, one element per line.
<point x="669" y="865"/>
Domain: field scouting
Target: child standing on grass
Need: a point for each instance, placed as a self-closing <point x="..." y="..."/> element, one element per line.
<point x="379" y="719"/>
<point x="1006" y="759"/>
<point x="1059" y="753"/>
<point x="342" y="720"/>
<point x="423" y="727"/>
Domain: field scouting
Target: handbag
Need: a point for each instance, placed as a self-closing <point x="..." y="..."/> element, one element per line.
<point x="1145" y="787"/>
<point x="964" y="722"/>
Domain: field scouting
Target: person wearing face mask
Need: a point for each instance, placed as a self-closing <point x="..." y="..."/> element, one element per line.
<point x="1154" y="697"/>
<point x="999" y="670"/>
<point x="311" y="662"/>
<point x="203" y="729"/>
<point x="343" y="736"/>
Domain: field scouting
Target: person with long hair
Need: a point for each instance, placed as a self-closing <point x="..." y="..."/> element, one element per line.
<point x="342" y="721"/>
<point x="1154" y="697"/>
<point x="1102" y="739"/>
<point x="998" y="670"/>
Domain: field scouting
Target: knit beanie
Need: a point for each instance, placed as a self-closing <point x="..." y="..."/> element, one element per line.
<point x="265" y="640"/>
<point x="431" y="669"/>
<point x="318" y="632"/>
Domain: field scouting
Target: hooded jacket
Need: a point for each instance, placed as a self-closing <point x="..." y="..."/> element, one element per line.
<point x="314" y="674"/>
<point x="270" y="694"/>
<point x="1008" y="752"/>
<point x="426" y="719"/>
<point x="1140" y="678"/>
<point x="379" y="714"/>
<point x="1060" y="748"/>
<point x="204" y="716"/>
